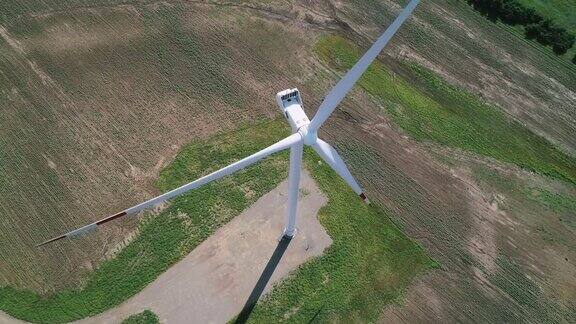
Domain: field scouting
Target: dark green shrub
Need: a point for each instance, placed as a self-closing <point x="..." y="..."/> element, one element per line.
<point x="536" y="27"/>
<point x="146" y="317"/>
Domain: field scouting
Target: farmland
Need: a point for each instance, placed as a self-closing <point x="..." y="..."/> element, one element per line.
<point x="478" y="132"/>
<point x="165" y="238"/>
<point x="191" y="218"/>
<point x="54" y="186"/>
<point x="97" y="99"/>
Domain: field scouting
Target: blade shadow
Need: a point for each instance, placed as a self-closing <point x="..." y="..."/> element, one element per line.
<point x="263" y="281"/>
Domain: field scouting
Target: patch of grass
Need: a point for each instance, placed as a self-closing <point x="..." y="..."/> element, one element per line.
<point x="493" y="178"/>
<point x="560" y="204"/>
<point x="428" y="108"/>
<point x="369" y="264"/>
<point x="146" y="317"/>
<point x="554" y="201"/>
<point x="169" y="236"/>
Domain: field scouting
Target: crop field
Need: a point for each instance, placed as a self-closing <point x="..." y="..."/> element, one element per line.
<point x="470" y="236"/>
<point x="462" y="135"/>
<point x="115" y="101"/>
<point x="523" y="78"/>
<point x="167" y="237"/>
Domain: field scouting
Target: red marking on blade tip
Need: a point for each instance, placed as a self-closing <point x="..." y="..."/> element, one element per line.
<point x="51" y="240"/>
<point x="363" y="197"/>
<point x="113" y="217"/>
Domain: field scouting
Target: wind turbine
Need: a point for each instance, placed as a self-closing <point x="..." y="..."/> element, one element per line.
<point x="304" y="132"/>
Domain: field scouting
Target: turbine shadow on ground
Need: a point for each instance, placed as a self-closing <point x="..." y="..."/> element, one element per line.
<point x="263" y="280"/>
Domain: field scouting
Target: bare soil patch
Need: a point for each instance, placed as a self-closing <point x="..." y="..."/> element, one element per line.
<point x="214" y="281"/>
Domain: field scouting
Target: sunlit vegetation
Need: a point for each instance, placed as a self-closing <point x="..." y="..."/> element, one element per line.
<point x="429" y="108"/>
<point x="562" y="11"/>
<point x="369" y="264"/>
<point x="564" y="206"/>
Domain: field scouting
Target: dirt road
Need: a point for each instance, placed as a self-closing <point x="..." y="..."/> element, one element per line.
<point x="6" y="319"/>
<point x="213" y="283"/>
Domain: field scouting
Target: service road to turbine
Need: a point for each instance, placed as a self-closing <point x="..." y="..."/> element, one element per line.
<point x="213" y="282"/>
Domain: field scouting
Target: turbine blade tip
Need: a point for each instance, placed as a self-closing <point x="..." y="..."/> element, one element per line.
<point x="364" y="198"/>
<point x="51" y="240"/>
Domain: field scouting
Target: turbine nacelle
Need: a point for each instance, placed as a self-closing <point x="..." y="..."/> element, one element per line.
<point x="290" y="103"/>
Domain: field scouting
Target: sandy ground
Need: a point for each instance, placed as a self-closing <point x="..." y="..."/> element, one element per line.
<point x="214" y="282"/>
<point x="6" y="319"/>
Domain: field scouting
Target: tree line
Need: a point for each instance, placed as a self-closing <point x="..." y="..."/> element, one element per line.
<point x="543" y="30"/>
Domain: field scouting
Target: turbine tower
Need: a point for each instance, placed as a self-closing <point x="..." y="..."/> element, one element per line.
<point x="304" y="132"/>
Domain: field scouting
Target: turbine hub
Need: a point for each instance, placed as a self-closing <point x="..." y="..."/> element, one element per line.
<point x="310" y="137"/>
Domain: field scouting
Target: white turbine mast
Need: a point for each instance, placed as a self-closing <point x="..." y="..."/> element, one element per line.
<point x="304" y="133"/>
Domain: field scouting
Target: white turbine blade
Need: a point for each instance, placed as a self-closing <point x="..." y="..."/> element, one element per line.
<point x="329" y="154"/>
<point x="293" y="187"/>
<point x="279" y="146"/>
<point x="338" y="93"/>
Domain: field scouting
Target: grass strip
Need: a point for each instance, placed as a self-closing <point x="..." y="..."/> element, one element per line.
<point x="166" y="238"/>
<point x="428" y="108"/>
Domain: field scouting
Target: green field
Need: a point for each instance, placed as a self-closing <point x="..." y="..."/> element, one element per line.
<point x="561" y="12"/>
<point x="369" y="264"/>
<point x="428" y="108"/>
<point x="562" y="205"/>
